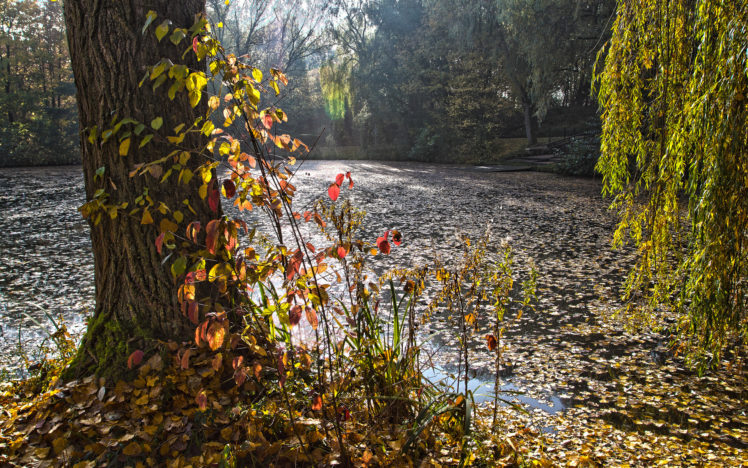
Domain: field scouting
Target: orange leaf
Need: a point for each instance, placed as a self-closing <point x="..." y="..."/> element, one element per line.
<point x="184" y="363"/>
<point x="294" y="315"/>
<point x="491" y="342"/>
<point x="237" y="362"/>
<point x="311" y="316"/>
<point x="135" y="358"/>
<point x="202" y="400"/>
<point x="216" y="334"/>
<point x="211" y="236"/>
<point x="316" y="403"/>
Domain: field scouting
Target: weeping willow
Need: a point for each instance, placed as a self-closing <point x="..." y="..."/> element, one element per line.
<point x="673" y="98"/>
<point x="335" y="81"/>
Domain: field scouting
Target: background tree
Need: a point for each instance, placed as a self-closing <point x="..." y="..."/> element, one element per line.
<point x="675" y="159"/>
<point x="37" y="121"/>
<point x="135" y="292"/>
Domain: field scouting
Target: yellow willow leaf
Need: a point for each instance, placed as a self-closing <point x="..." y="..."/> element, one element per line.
<point x="124" y="147"/>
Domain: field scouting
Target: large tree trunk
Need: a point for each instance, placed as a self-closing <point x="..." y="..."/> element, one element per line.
<point x="135" y="294"/>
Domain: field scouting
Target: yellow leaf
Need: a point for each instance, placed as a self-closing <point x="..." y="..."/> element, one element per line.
<point x="147" y="218"/>
<point x="132" y="449"/>
<point x="59" y="444"/>
<point x="143" y="400"/>
<point x="42" y="452"/>
<point x="124" y="147"/>
<point x="157" y="123"/>
<point x="166" y="225"/>
<point x="214" y="102"/>
<point x="226" y="433"/>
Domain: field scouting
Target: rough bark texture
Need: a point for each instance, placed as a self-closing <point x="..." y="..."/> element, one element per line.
<point x="135" y="293"/>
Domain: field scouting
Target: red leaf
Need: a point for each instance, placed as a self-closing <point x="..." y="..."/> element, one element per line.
<point x="213" y="199"/>
<point x="294" y="264"/>
<point x="229" y="188"/>
<point x="383" y="244"/>
<point x="491" y="342"/>
<point x="316" y="403"/>
<point x="342" y="252"/>
<point x="202" y="400"/>
<point x="333" y="190"/>
<point x="339" y="179"/>
<point x="240" y="376"/>
<point x="211" y="236"/>
<point x="311" y="316"/>
<point x="160" y="242"/>
<point x="384" y="247"/>
<point x="397" y="238"/>
<point x="135" y="358"/>
<point x="194" y="44"/>
<point x="294" y="315"/>
<point x="192" y="312"/>
<point x="267" y="121"/>
<point x="348" y="176"/>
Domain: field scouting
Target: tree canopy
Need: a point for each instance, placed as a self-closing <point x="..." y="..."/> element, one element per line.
<point x="675" y="159"/>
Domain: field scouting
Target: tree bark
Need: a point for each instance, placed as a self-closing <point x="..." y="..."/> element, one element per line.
<point x="135" y="294"/>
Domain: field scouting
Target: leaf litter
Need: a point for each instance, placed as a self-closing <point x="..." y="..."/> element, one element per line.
<point x="629" y="401"/>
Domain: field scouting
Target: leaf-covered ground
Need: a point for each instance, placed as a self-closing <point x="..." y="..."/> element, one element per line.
<point x="165" y="415"/>
<point x="630" y="402"/>
<point x="625" y="399"/>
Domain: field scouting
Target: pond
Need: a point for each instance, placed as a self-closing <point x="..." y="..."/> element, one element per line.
<point x="560" y="223"/>
<point x="588" y="385"/>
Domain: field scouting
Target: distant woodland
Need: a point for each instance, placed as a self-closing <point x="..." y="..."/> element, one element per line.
<point x="427" y="80"/>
